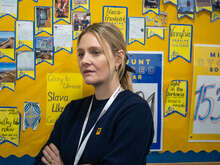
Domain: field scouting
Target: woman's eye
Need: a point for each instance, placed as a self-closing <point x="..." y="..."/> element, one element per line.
<point x="80" y="54"/>
<point x="96" y="52"/>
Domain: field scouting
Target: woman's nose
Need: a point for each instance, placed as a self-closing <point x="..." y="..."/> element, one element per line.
<point x="86" y="59"/>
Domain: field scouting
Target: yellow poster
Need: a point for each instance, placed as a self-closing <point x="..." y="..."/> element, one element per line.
<point x="116" y="15"/>
<point x="180" y="42"/>
<point x="61" y="89"/>
<point x="205" y="114"/>
<point x="176" y="98"/>
<point x="10" y="123"/>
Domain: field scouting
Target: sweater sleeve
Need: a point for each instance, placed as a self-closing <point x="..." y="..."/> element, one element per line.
<point x="132" y="137"/>
<point x="54" y="136"/>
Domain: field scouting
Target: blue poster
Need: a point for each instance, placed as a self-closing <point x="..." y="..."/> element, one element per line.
<point x="148" y="83"/>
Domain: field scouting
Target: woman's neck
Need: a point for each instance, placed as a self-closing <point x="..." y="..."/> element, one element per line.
<point x="104" y="91"/>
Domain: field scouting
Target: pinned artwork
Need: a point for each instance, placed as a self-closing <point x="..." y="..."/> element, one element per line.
<point x="216" y="10"/>
<point x="7" y="44"/>
<point x="32" y="115"/>
<point x="62" y="11"/>
<point x="151" y="6"/>
<point x="185" y="8"/>
<point x="44" y="50"/>
<point x="85" y="4"/>
<point x="7" y="75"/>
<point x="9" y="7"/>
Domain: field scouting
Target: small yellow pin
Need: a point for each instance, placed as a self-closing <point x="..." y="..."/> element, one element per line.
<point x="98" y="131"/>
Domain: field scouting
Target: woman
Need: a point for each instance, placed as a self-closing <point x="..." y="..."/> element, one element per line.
<point x="122" y="135"/>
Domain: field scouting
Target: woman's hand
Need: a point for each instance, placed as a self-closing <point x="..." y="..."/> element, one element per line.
<point x="51" y="155"/>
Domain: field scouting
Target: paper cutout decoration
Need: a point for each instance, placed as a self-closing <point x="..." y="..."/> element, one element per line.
<point x="62" y="10"/>
<point x="85" y="4"/>
<point x="203" y="5"/>
<point x="176" y="98"/>
<point x="185" y="8"/>
<point x="170" y="1"/>
<point x="155" y="31"/>
<point x="7" y="75"/>
<point x="25" y="64"/>
<point x="116" y="15"/>
<point x="204" y="113"/>
<point x="10" y="124"/>
<point x="63" y="38"/>
<point x="216" y="10"/>
<point x="43" y="20"/>
<point x="136" y="30"/>
<point x="24" y="34"/>
<point x="32" y="115"/>
<point x="180" y="42"/>
<point x="151" y="6"/>
<point x="9" y="7"/>
<point x="156" y="24"/>
<point x="61" y="89"/>
<point x="44" y="50"/>
<point x="80" y="21"/>
<point x="7" y="44"/>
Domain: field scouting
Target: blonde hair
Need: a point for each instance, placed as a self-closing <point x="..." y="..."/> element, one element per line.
<point x="110" y="34"/>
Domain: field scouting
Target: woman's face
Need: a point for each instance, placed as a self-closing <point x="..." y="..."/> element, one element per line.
<point x="93" y="62"/>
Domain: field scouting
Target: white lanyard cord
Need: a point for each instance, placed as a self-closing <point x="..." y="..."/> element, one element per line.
<point x="81" y="147"/>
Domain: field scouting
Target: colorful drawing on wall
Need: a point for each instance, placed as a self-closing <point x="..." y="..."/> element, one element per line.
<point x="151" y="6"/>
<point x="156" y="24"/>
<point x="148" y="83"/>
<point x="63" y="38"/>
<point x="170" y="1"/>
<point x="61" y="89"/>
<point x="136" y="30"/>
<point x="10" y="125"/>
<point x="185" y="8"/>
<point x="44" y="50"/>
<point x="24" y="34"/>
<point x="9" y="7"/>
<point x="7" y="42"/>
<point x="7" y="75"/>
<point x="216" y="10"/>
<point x="25" y="64"/>
<point x="43" y="20"/>
<point x="176" y="98"/>
<point x="32" y="115"/>
<point x="80" y="21"/>
<point x="118" y="16"/>
<point x="85" y="4"/>
<point x="203" y="5"/>
<point x="62" y="10"/>
<point x="205" y="114"/>
<point x="180" y="42"/>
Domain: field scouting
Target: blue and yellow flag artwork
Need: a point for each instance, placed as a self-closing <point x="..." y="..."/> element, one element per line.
<point x="185" y="8"/>
<point x="85" y="4"/>
<point x="7" y="75"/>
<point x="151" y="6"/>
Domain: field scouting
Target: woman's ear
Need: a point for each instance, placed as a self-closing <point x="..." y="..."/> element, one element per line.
<point x="119" y="57"/>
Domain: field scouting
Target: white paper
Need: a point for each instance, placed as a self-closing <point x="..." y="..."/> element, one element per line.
<point x="8" y="6"/>
<point x="63" y="36"/>
<point x="25" y="30"/>
<point x="25" y="61"/>
<point x="210" y="97"/>
<point x="149" y="90"/>
<point x="136" y="28"/>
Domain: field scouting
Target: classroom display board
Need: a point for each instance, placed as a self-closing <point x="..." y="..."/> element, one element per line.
<point x="173" y="45"/>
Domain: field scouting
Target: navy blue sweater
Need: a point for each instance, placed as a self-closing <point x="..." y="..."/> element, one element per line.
<point x="125" y="137"/>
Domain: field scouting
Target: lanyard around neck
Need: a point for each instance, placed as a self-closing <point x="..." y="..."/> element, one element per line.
<point x="81" y="147"/>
